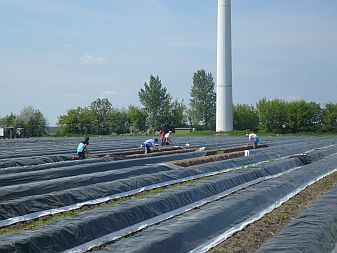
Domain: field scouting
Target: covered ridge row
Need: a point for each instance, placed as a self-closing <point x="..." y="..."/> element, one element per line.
<point x="214" y="189"/>
<point x="55" y="186"/>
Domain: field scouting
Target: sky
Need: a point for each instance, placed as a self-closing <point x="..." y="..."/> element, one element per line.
<point x="56" y="55"/>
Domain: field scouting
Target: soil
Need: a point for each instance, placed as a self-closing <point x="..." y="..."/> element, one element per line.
<point x="253" y="236"/>
<point x="207" y="159"/>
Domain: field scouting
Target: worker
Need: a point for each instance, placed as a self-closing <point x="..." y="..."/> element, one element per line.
<point x="162" y="136"/>
<point x="82" y="148"/>
<point x="150" y="144"/>
<point x="167" y="138"/>
<point x="253" y="138"/>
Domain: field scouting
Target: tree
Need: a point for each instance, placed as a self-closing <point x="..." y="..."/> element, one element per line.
<point x="178" y="114"/>
<point x="272" y="114"/>
<point x="85" y="119"/>
<point x="302" y="116"/>
<point x="245" y="117"/>
<point x="70" y="123"/>
<point x="8" y="121"/>
<point x="137" y="118"/>
<point x="156" y="101"/>
<point x="203" y="99"/>
<point x="329" y="116"/>
<point x="32" y="120"/>
<point x="119" y="121"/>
<point x="101" y="110"/>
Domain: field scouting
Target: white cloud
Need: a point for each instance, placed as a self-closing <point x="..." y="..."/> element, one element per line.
<point x="111" y="93"/>
<point x="93" y="60"/>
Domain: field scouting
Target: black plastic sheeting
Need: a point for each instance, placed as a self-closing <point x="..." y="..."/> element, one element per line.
<point x="14" y="204"/>
<point x="126" y="214"/>
<point x="37" y="167"/>
<point x="18" y="148"/>
<point x="22" y="199"/>
<point x="25" y="148"/>
<point x="197" y="229"/>
<point x="40" y="160"/>
<point x="314" y="230"/>
<point x="44" y="172"/>
<point x="65" y="234"/>
<point x="35" y="160"/>
<point x="92" y="191"/>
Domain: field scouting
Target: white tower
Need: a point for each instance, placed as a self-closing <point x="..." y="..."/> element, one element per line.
<point x="224" y="101"/>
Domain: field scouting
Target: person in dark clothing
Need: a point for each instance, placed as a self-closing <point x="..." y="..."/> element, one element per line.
<point x="82" y="148"/>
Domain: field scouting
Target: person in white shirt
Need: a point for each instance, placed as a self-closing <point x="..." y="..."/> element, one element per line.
<point x="253" y="138"/>
<point x="167" y="138"/>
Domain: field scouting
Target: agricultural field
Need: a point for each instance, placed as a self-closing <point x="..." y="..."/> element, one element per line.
<point x="200" y="194"/>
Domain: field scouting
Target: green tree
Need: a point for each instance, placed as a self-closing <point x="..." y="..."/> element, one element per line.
<point x="119" y="121"/>
<point x="203" y="99"/>
<point x="32" y="120"/>
<point x="272" y="114"/>
<point x="85" y="118"/>
<point x="178" y="115"/>
<point x="329" y="116"/>
<point x="8" y="121"/>
<point x="156" y="101"/>
<point x="137" y="118"/>
<point x="101" y="110"/>
<point x="70" y="123"/>
<point x="245" y="117"/>
<point x="302" y="116"/>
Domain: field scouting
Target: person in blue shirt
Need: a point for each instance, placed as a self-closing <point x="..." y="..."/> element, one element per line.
<point x="82" y="148"/>
<point x="150" y="144"/>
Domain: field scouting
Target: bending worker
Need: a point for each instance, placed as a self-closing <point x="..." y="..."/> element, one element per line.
<point x="253" y="138"/>
<point x="162" y="136"/>
<point x="167" y="138"/>
<point x="150" y="144"/>
<point x="82" y="148"/>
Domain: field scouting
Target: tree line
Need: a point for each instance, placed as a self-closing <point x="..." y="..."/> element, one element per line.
<point x="159" y="110"/>
<point x="29" y="118"/>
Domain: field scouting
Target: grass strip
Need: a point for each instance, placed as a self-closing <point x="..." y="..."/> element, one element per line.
<point x="253" y="236"/>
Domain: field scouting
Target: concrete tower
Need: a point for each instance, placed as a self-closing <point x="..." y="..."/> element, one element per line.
<point x="224" y="101"/>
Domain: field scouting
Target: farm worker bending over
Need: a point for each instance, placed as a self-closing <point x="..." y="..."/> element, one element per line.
<point x="150" y="144"/>
<point x="167" y="138"/>
<point x="162" y="136"/>
<point x="253" y="138"/>
<point x="82" y="148"/>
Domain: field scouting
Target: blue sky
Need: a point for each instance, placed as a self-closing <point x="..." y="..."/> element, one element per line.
<point x="60" y="54"/>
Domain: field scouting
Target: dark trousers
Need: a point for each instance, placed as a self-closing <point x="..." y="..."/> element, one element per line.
<point x="147" y="149"/>
<point x="81" y="155"/>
